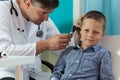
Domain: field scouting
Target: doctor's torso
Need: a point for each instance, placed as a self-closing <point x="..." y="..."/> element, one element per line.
<point x="18" y="42"/>
<point x="13" y="22"/>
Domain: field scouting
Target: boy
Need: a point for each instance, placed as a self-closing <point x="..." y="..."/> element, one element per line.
<point x="87" y="60"/>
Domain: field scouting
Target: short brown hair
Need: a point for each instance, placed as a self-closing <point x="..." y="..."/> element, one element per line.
<point x="96" y="15"/>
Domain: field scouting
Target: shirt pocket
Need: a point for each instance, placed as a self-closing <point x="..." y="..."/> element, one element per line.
<point x="89" y="64"/>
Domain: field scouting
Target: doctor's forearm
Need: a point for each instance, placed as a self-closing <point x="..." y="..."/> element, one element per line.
<point x="41" y="46"/>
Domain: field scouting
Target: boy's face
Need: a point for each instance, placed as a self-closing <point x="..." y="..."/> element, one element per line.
<point x="91" y="32"/>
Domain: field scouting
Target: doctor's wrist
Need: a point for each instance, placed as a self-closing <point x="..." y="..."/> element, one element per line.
<point x="41" y="46"/>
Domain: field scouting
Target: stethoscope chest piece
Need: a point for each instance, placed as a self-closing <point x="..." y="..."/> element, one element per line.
<point x="39" y="33"/>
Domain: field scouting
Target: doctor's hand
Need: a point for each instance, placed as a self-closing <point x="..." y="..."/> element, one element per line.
<point x="59" y="41"/>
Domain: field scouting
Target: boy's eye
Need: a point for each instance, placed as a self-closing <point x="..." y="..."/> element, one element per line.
<point x="86" y="30"/>
<point x="96" y="32"/>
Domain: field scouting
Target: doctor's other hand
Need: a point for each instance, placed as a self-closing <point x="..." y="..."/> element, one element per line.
<point x="56" y="42"/>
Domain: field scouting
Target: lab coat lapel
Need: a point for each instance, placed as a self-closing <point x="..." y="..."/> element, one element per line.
<point x="22" y="26"/>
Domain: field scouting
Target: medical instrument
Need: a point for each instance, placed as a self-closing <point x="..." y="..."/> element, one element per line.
<point x="39" y="32"/>
<point x="13" y="9"/>
<point x="74" y="28"/>
<point x="16" y="13"/>
<point x="75" y="32"/>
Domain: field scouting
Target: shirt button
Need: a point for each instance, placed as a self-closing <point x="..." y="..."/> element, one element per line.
<point x="70" y="74"/>
<point x="77" y="61"/>
<point x="33" y="68"/>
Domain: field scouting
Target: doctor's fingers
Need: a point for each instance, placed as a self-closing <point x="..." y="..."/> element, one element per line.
<point x="62" y="43"/>
<point x="55" y="46"/>
<point x="63" y="39"/>
<point x="64" y="35"/>
<point x="58" y="46"/>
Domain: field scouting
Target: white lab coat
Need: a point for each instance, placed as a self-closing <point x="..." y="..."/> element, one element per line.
<point x="14" y="42"/>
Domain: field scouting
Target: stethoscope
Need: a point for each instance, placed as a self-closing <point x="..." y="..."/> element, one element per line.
<point x="39" y="31"/>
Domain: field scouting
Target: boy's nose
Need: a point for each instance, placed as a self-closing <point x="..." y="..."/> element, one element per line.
<point x="90" y="34"/>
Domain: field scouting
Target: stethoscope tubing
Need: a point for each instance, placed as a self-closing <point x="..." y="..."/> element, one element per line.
<point x="39" y="32"/>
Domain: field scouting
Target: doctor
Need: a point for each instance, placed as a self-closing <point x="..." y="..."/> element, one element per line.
<point x="26" y="29"/>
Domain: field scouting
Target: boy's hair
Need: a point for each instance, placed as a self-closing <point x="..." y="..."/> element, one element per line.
<point x="48" y="4"/>
<point x="96" y="15"/>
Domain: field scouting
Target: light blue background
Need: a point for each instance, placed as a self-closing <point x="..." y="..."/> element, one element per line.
<point x="110" y="8"/>
<point x="63" y="15"/>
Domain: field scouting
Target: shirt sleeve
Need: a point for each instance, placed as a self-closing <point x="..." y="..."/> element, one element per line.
<point x="106" y="67"/>
<point x="59" y="67"/>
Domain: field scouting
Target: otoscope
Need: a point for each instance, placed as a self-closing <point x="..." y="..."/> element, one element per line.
<point x="75" y="32"/>
<point x="74" y="28"/>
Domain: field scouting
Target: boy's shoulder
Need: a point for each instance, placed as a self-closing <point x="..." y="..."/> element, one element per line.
<point x="102" y="50"/>
<point x="68" y="49"/>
